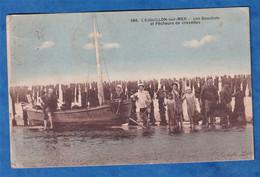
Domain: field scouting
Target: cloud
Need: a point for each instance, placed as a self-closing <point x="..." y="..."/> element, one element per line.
<point x="90" y="46"/>
<point x="195" y="43"/>
<point x="111" y="45"/>
<point x="46" y="44"/>
<point x="91" y="35"/>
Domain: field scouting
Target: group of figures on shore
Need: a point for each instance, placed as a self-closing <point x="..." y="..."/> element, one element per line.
<point x="170" y="93"/>
<point x="212" y="104"/>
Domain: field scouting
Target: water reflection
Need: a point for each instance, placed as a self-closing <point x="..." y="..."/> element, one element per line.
<point x="127" y="145"/>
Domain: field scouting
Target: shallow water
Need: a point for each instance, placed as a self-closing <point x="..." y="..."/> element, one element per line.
<point x="128" y="145"/>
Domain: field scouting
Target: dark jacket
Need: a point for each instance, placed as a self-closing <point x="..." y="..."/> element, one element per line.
<point x="209" y="93"/>
<point x="118" y="96"/>
<point x="239" y="102"/>
<point x="50" y="102"/>
<point x="225" y="96"/>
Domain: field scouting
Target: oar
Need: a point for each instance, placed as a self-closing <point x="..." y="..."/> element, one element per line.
<point x="138" y="123"/>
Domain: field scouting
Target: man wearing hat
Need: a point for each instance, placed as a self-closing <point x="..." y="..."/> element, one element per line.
<point x="209" y="98"/>
<point x="143" y="102"/>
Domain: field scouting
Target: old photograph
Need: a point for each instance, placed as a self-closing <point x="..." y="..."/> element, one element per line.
<point x="130" y="87"/>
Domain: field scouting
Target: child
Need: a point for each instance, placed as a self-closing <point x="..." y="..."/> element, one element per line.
<point x="171" y="106"/>
<point x="191" y="105"/>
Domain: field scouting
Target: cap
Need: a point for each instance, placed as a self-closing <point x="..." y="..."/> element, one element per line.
<point x="141" y="84"/>
<point x="209" y="78"/>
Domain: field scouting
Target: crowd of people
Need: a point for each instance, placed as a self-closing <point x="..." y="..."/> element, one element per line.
<point x="212" y="94"/>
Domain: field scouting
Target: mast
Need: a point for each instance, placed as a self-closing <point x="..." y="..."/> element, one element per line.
<point x="99" y="82"/>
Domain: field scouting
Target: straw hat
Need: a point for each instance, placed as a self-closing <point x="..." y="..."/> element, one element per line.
<point x="119" y="86"/>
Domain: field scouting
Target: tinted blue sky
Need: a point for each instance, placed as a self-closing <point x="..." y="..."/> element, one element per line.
<point x="55" y="48"/>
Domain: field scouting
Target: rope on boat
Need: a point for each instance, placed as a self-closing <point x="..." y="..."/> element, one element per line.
<point x="101" y="54"/>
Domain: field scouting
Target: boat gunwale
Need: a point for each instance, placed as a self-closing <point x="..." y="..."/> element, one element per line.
<point x="77" y="110"/>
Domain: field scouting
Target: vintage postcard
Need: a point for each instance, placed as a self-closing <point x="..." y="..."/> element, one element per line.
<point x="133" y="87"/>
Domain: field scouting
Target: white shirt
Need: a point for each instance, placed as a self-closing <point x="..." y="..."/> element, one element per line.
<point x="143" y="99"/>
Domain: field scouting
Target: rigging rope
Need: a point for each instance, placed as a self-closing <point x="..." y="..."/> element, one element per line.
<point x="101" y="53"/>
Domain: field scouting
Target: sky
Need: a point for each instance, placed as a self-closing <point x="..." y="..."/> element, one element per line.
<point x="58" y="48"/>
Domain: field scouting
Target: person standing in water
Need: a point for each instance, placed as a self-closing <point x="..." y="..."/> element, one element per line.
<point x="191" y="106"/>
<point x="225" y="101"/>
<point x="143" y="102"/>
<point x="239" y="109"/>
<point x="209" y="98"/>
<point x="161" y="97"/>
<point x="178" y="102"/>
<point x="171" y="107"/>
<point x="49" y="102"/>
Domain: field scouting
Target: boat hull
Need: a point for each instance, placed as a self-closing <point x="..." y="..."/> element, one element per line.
<point x="98" y="116"/>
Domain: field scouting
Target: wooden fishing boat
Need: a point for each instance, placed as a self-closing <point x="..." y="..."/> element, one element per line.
<point x="96" y="116"/>
<point x="101" y="115"/>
